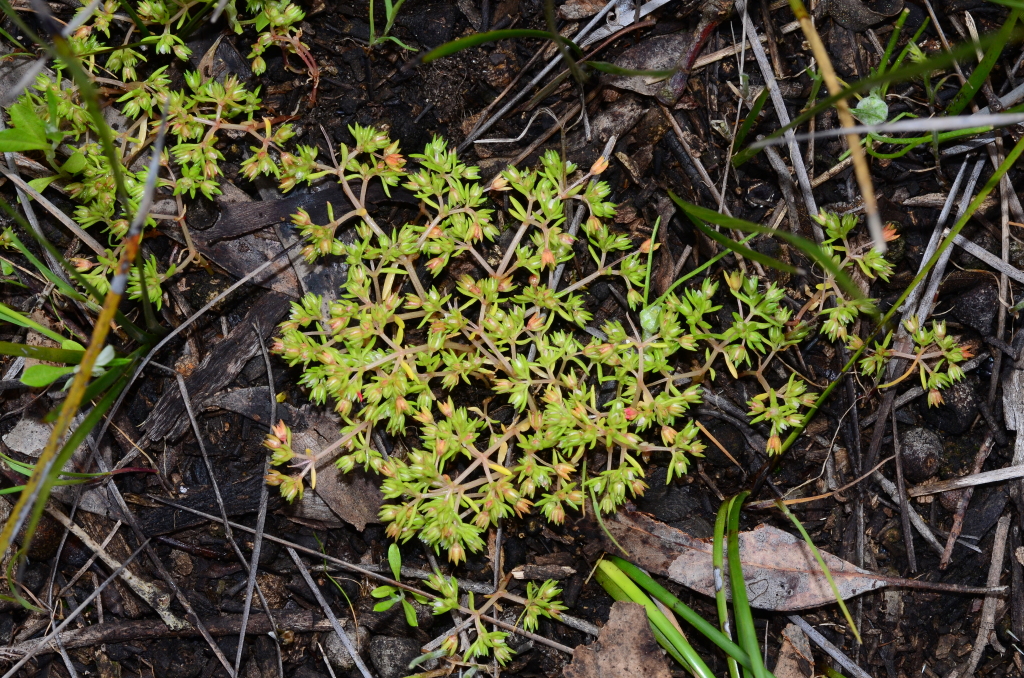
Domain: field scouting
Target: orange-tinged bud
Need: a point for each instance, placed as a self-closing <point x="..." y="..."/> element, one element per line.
<point x="499" y="183"/>
<point x="599" y="166"/>
<point x="81" y="265"/>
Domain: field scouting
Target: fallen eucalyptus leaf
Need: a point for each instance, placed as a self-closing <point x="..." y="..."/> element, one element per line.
<point x="625" y="648"/>
<point x="795" y="658"/>
<point x="779" y="569"/>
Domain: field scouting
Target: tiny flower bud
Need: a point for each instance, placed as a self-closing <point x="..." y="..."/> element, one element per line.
<point x="599" y="166"/>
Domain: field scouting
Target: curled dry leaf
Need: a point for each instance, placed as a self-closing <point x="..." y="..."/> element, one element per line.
<point x="625" y="648"/>
<point x="779" y="569"/>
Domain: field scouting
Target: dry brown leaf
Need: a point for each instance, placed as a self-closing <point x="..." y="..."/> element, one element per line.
<point x="625" y="649"/>
<point x="795" y="660"/>
<point x="780" y="570"/>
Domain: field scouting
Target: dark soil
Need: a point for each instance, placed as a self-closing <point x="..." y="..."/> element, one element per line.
<point x="906" y="633"/>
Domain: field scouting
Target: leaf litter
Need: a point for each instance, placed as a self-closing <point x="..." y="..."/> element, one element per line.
<point x="779" y="569"/>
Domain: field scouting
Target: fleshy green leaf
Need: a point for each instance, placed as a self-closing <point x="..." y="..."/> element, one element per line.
<point x="44" y="375"/>
<point x="410" y="613"/>
<point x="872" y="110"/>
<point x="395" y="561"/>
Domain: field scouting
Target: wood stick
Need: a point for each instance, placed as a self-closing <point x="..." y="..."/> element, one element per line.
<point x="965" y="498"/>
<point x="984" y="478"/>
<point x="304" y="621"/>
<point x="988" y="609"/>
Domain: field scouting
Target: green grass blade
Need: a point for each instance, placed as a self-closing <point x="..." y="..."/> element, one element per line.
<point x="718" y="567"/>
<point x="697" y="271"/>
<point x="687" y="613"/>
<point x="617" y="593"/>
<point x="71" y="444"/>
<point x="987" y="189"/>
<point x="650" y="258"/>
<point x="740" y="603"/>
<point x="893" y="40"/>
<point x="657" y="618"/>
<point x="51" y="355"/>
<point x="8" y="314"/>
<point x="549" y="17"/>
<point x="739" y="249"/>
<point x="812" y="250"/>
<point x="902" y="74"/>
<point x="123" y="321"/>
<point x="477" y="39"/>
<point x="139" y="24"/>
<point x="824" y="567"/>
<point x="751" y="119"/>
<point x="981" y="73"/>
<point x="600" y="522"/>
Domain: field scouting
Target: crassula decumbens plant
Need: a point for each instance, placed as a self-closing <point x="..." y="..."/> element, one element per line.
<point x="573" y="411"/>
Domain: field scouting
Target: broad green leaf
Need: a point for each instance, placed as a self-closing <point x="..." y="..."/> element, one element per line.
<point x="872" y="110"/>
<point x="44" y="375"/>
<point x="40" y="183"/>
<point x="385" y="605"/>
<point x="395" y="561"/>
<point x="410" y="613"/>
<point x="74" y="164"/>
<point x="27" y="123"/>
<point x="16" y="141"/>
<point x="383" y="591"/>
<point x="649" y="318"/>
